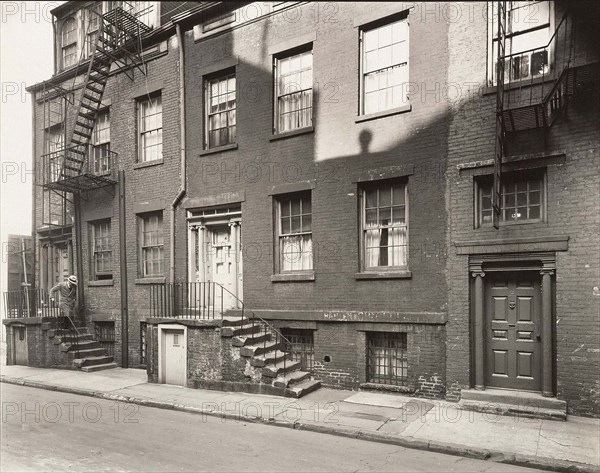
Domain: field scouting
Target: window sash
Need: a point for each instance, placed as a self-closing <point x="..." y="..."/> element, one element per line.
<point x="295" y="234"/>
<point x="220" y="111"/>
<point x="152" y="250"/>
<point x="387" y="359"/>
<point x="385" y="226"/>
<point x="384" y="67"/>
<point x="101" y="248"/>
<point x="521" y="200"/>
<point x="150" y="125"/>
<point x="293" y="91"/>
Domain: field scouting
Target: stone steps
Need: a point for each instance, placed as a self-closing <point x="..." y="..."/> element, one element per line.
<point x="269" y="358"/>
<point x="105" y="366"/>
<point x="290" y="379"/>
<point x="92" y="360"/>
<point x="302" y="389"/>
<point x="251" y="339"/>
<point x="260" y="348"/>
<point x="273" y="371"/>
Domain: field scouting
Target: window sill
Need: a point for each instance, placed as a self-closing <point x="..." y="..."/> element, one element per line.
<point x="293" y="277"/>
<point x="385" y="113"/>
<point x="218" y="149"/>
<point x="383" y="275"/>
<point x="158" y="280"/>
<point x="101" y="282"/>
<point x="386" y="387"/>
<point x="148" y="164"/>
<point x="288" y="134"/>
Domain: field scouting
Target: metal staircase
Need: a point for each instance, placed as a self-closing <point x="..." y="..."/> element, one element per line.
<point x="118" y="41"/>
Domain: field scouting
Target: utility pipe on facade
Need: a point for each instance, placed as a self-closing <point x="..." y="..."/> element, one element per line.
<point x="182" y="187"/>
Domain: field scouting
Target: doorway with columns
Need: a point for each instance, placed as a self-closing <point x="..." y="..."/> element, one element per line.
<point x="215" y="253"/>
<point x="512" y="319"/>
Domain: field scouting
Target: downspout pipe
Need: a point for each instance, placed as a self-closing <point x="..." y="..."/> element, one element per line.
<point x="182" y="187"/>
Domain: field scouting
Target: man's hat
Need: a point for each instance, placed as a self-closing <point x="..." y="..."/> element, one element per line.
<point x="73" y="280"/>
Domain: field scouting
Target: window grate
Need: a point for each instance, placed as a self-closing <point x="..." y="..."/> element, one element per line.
<point x="301" y="346"/>
<point x="105" y="334"/>
<point x="386" y="358"/>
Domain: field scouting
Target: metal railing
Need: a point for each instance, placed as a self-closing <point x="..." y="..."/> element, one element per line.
<point x="64" y="165"/>
<point x="206" y="301"/>
<point x="539" y="65"/>
<point x="30" y="303"/>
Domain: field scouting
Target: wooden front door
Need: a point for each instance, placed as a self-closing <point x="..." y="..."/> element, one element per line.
<point x="221" y="267"/>
<point x="174" y="357"/>
<point x="513" y="330"/>
<point x="20" y="345"/>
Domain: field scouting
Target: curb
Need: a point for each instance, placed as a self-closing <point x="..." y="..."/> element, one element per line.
<point x="530" y="461"/>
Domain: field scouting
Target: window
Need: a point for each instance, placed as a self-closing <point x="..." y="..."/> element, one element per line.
<point x="69" y="42"/>
<point x="150" y="125"/>
<point x="220" y="115"/>
<point x="94" y="14"/>
<point x="143" y="327"/>
<point x="293" y="92"/>
<point x="528" y="26"/>
<point x="54" y="143"/>
<point x="101" y="250"/>
<point x="300" y="343"/>
<point x="521" y="198"/>
<point x="386" y="358"/>
<point x="384" y="66"/>
<point x="294" y="217"/>
<point x="152" y="245"/>
<point x="384" y="226"/>
<point x="105" y="335"/>
<point x="100" y="149"/>
<point x="145" y="12"/>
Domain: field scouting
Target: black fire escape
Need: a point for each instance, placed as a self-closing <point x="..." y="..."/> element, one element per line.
<point x="534" y="87"/>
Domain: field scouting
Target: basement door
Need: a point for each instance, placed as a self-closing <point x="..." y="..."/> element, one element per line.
<point x="174" y="356"/>
<point x="20" y="345"/>
<point x="513" y="330"/>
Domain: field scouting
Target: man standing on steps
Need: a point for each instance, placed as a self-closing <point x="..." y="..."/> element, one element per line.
<point x="68" y="296"/>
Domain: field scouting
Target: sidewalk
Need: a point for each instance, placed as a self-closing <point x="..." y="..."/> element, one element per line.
<point x="410" y="422"/>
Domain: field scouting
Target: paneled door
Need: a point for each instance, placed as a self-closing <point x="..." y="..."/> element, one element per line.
<point x="513" y="331"/>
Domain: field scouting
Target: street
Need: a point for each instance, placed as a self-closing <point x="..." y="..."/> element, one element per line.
<point x="51" y="431"/>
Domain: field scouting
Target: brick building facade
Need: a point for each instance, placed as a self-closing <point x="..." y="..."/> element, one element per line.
<point x="337" y="179"/>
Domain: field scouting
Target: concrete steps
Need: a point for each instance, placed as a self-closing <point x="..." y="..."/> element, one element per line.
<point x="250" y="339"/>
<point x="269" y="358"/>
<point x="273" y="371"/>
<point x="302" y="389"/>
<point x="240" y="330"/>
<point x="104" y="366"/>
<point x="260" y="348"/>
<point x="290" y="379"/>
<point x="92" y="360"/>
<point x="513" y="403"/>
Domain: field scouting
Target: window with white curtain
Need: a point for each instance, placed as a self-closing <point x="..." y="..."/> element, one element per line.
<point x="151" y="239"/>
<point x="528" y="33"/>
<point x="384" y="66"/>
<point x="294" y="216"/>
<point x="293" y="91"/>
<point x="69" y="42"/>
<point x="384" y="225"/>
<point x="150" y="126"/>
<point x="101" y="250"/>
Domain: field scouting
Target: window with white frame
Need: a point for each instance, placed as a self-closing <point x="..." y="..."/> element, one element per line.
<point x="101" y="250"/>
<point x="151" y="239"/>
<point x="293" y="91"/>
<point x="384" y="226"/>
<point x="54" y="143"/>
<point x="100" y="149"/>
<point x="150" y="126"/>
<point x="522" y="198"/>
<point x="294" y="232"/>
<point x="384" y="66"/>
<point x="220" y="117"/>
<point x="146" y="12"/>
<point x="528" y="53"/>
<point x="69" y="42"/>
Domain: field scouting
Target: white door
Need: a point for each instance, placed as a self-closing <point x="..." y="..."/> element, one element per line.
<point x="174" y="356"/>
<point x="221" y="267"/>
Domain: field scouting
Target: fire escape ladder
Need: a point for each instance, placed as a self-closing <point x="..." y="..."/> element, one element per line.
<point x="500" y="129"/>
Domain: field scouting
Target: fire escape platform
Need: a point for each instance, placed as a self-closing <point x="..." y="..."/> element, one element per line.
<point x="81" y="183"/>
<point x="125" y="22"/>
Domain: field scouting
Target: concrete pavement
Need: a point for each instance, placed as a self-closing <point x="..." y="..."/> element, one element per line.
<point x="437" y="426"/>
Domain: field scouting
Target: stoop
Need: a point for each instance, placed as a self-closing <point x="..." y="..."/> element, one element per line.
<point x="513" y="403"/>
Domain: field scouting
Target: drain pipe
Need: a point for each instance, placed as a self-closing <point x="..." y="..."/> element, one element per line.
<point x="182" y="187"/>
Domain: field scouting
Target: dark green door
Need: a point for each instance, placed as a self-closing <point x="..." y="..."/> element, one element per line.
<point x="513" y="331"/>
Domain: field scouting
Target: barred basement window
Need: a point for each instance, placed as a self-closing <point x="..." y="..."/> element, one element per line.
<point x="301" y="346"/>
<point x="105" y="334"/>
<point x="386" y="358"/>
<point x="143" y="326"/>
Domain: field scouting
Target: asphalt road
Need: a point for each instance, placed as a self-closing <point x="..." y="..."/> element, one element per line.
<point x="52" y="431"/>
